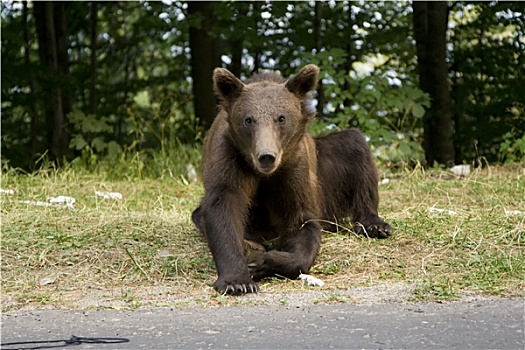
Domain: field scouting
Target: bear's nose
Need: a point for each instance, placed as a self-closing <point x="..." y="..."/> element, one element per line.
<point x="266" y="159"/>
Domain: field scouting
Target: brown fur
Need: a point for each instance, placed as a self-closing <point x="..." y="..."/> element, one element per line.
<point x="268" y="182"/>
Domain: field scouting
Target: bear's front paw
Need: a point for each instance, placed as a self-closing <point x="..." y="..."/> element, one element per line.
<point x="374" y="229"/>
<point x="233" y="287"/>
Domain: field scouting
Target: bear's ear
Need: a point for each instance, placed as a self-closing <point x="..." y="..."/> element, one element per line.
<point x="226" y="85"/>
<point x="304" y="81"/>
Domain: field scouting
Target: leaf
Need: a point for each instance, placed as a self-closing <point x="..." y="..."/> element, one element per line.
<point x="98" y="144"/>
<point x="405" y="149"/>
<point x="141" y="73"/>
<point x="114" y="149"/>
<point x="142" y="99"/>
<point x="77" y="142"/>
<point x="418" y="111"/>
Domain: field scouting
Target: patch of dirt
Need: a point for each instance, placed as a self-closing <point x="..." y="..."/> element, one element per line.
<point x="162" y="297"/>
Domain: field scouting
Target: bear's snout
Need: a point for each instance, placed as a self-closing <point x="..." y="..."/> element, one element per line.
<point x="266" y="160"/>
<point x="266" y="149"/>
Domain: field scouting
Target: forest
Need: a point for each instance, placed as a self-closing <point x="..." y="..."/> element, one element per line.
<point x="432" y="83"/>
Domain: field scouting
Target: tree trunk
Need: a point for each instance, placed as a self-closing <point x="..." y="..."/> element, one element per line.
<point x="205" y="57"/>
<point x="51" y="27"/>
<point x="318" y="36"/>
<point x="93" y="105"/>
<point x="257" y="49"/>
<point x="430" y="27"/>
<point x="237" y="43"/>
<point x="33" y="114"/>
<point x="346" y="66"/>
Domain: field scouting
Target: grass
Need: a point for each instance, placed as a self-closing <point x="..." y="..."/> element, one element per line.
<point x="144" y="250"/>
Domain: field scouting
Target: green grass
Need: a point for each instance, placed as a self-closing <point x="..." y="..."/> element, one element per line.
<point x="144" y="250"/>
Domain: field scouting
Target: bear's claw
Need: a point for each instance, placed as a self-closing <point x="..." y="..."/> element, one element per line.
<point x="235" y="288"/>
<point x="379" y="229"/>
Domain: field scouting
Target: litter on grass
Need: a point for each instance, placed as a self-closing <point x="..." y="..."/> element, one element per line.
<point x="514" y="213"/>
<point x="311" y="280"/>
<point x="63" y="200"/>
<point x="2" y="191"/>
<point x="461" y="170"/>
<point x="109" y="195"/>
<point x="443" y="211"/>
<point x="192" y="173"/>
<point x="47" y="280"/>
<point x="60" y="201"/>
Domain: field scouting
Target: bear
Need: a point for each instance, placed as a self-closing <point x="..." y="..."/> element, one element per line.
<point x="270" y="188"/>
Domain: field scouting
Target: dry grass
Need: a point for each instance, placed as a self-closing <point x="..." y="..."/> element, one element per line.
<point x="143" y="250"/>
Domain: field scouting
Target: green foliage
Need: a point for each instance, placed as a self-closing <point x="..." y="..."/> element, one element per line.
<point x="387" y="109"/>
<point x="513" y="148"/>
<point x="487" y="65"/>
<point x="139" y="53"/>
<point x="88" y="136"/>
<point x="180" y="161"/>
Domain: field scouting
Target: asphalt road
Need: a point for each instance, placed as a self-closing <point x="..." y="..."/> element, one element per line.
<point x="481" y="324"/>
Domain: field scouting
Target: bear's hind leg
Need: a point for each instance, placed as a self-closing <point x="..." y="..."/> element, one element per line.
<point x="349" y="175"/>
<point x="364" y="203"/>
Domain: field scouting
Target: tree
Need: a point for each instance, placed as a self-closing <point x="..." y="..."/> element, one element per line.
<point x="33" y="114"/>
<point x="52" y="34"/>
<point x="430" y="28"/>
<point x="205" y="57"/>
<point x="318" y="37"/>
<point x="93" y="102"/>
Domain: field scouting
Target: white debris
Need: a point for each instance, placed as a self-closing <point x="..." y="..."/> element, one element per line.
<point x="384" y="181"/>
<point x="514" y="213"/>
<point x="459" y="170"/>
<point x="163" y="253"/>
<point x="311" y="280"/>
<point x="2" y="191"/>
<point x="47" y="280"/>
<point x="60" y="201"/>
<point x="109" y="195"/>
<point x="192" y="173"/>
<point x="444" y="211"/>
<point x="64" y="200"/>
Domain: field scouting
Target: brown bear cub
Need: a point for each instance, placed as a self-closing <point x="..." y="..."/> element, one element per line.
<point x="270" y="186"/>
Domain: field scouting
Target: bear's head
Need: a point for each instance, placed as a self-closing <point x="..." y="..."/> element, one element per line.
<point x="267" y="116"/>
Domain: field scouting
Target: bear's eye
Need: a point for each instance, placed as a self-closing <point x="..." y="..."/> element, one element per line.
<point x="248" y="121"/>
<point x="282" y="119"/>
